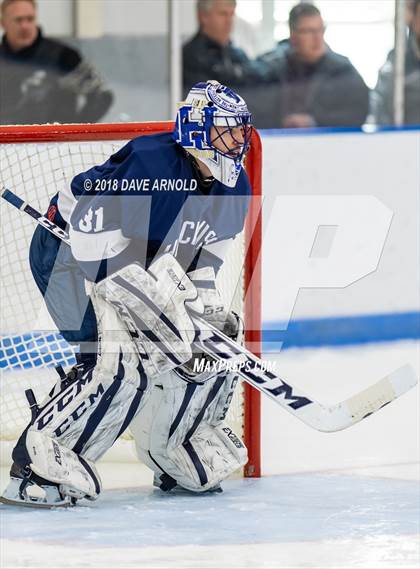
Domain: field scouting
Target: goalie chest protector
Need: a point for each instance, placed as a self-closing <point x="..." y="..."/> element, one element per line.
<point x="147" y="196"/>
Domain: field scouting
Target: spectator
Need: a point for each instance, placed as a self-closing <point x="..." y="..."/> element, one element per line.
<point x="382" y="97"/>
<point x="318" y="87"/>
<point x="210" y="54"/>
<point x="43" y="80"/>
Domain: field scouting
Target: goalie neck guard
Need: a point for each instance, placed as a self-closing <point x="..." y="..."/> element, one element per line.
<point x="214" y="125"/>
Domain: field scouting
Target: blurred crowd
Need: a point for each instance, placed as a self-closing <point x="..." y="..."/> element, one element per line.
<point x="43" y="80"/>
<point x="300" y="83"/>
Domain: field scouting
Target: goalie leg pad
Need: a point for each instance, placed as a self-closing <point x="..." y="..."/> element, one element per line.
<point x="180" y="432"/>
<point x="210" y="456"/>
<point x="89" y="414"/>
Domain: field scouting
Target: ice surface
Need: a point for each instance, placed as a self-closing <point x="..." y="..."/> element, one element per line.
<point x="279" y="521"/>
<point x="360" y="511"/>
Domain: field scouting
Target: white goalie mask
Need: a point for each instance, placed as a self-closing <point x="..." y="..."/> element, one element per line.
<point x="214" y="125"/>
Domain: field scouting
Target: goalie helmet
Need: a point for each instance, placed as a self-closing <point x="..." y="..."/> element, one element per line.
<point x="214" y="125"/>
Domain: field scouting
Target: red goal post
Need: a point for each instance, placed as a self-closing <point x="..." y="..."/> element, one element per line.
<point x="42" y="134"/>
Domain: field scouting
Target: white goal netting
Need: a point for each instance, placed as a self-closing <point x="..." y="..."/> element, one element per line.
<point x="30" y="345"/>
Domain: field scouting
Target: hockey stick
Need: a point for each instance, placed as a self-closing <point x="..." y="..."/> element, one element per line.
<point x="231" y="356"/>
<point x="326" y="418"/>
<point x="17" y="202"/>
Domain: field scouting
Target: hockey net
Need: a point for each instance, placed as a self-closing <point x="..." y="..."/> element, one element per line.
<point x="36" y="162"/>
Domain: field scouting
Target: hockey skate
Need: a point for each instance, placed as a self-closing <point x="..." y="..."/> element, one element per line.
<point x="27" y="489"/>
<point x="55" y="476"/>
<point x="167" y="484"/>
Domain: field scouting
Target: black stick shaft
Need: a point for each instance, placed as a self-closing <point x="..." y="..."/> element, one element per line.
<point x="18" y="203"/>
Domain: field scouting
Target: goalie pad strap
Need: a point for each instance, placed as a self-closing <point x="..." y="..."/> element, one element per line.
<point x="33" y="404"/>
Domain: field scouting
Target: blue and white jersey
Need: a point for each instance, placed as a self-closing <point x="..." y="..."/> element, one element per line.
<point x="145" y="201"/>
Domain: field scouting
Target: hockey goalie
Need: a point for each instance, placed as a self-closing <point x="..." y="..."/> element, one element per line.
<point x="149" y="230"/>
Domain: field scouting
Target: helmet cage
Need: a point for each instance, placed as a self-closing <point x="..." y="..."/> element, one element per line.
<point x="227" y="125"/>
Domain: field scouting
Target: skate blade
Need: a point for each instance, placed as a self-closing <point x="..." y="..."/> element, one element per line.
<point x="40" y="496"/>
<point x="35" y="503"/>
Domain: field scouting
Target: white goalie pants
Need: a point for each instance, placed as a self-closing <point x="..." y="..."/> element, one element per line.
<point x="181" y="435"/>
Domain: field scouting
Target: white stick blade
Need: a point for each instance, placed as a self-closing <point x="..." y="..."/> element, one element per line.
<point x="381" y="393"/>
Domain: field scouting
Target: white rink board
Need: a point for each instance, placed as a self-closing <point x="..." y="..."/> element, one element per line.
<point x="382" y="170"/>
<point x="390" y="437"/>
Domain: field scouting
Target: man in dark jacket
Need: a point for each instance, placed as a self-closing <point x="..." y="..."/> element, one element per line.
<point x="317" y="87"/>
<point x="382" y="96"/>
<point x="210" y="54"/>
<point x="43" y="80"/>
